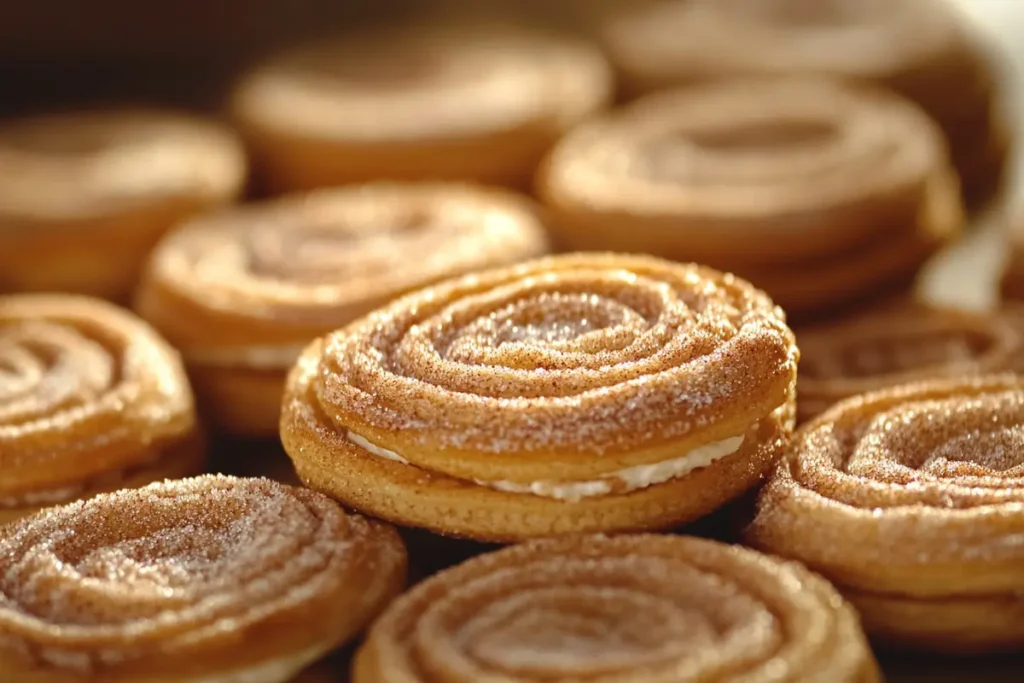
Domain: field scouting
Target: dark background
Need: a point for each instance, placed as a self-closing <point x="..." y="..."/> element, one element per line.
<point x="59" y="52"/>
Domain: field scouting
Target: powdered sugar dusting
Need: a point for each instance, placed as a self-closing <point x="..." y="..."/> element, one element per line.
<point x="176" y="567"/>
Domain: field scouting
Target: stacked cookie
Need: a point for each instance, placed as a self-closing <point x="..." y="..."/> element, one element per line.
<point x="922" y="49"/>
<point x="818" y="192"/>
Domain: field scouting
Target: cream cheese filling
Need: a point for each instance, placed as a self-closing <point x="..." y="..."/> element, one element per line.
<point x="623" y="481"/>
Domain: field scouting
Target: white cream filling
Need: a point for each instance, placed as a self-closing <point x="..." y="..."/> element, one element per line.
<point x="376" y="450"/>
<point x="633" y="478"/>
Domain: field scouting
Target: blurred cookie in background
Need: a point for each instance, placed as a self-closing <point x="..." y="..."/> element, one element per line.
<point x="477" y="103"/>
<point x="86" y="195"/>
<point x="822" y="193"/>
<point x="241" y="292"/>
<point x="927" y="50"/>
<point x="899" y="345"/>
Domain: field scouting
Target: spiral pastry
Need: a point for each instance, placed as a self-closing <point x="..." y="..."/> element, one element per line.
<point x="910" y="500"/>
<point x="242" y="292"/>
<point x="210" y="579"/>
<point x="649" y="609"/>
<point x="926" y="50"/>
<point x="574" y="393"/>
<point x="453" y="103"/>
<point x="86" y="195"/>
<point x="814" y="190"/>
<point x="901" y="345"/>
<point x="91" y="400"/>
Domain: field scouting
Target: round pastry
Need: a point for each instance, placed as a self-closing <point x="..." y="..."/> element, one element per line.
<point x="91" y="400"/>
<point x="899" y="346"/>
<point x="819" y="188"/>
<point x="629" y="609"/>
<point x="910" y="501"/>
<point x="211" y="579"/>
<point x="86" y="195"/>
<point x="481" y="104"/>
<point x="926" y="50"/>
<point x="242" y="292"/>
<point x="589" y="392"/>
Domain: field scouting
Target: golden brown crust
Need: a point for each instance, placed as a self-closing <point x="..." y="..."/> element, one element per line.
<point x="816" y="191"/>
<point x="864" y="273"/>
<point x="910" y="500"/>
<point x="900" y="345"/>
<point x="479" y="103"/>
<point x="240" y="293"/>
<point x="90" y="397"/>
<point x="204" y="579"/>
<point x="412" y="496"/>
<point x="88" y="193"/>
<point x="629" y="608"/>
<point x="745" y="172"/>
<point x="529" y="374"/>
<point x="182" y="459"/>
<point x="932" y="55"/>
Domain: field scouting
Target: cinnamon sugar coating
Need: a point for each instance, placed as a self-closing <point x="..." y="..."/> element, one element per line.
<point x="565" y="369"/>
<point x="242" y="292"/>
<point x="627" y="608"/>
<point x="279" y="273"/>
<point x="906" y="344"/>
<point x="87" y="391"/>
<point x="211" y="578"/>
<point x="910" y="500"/>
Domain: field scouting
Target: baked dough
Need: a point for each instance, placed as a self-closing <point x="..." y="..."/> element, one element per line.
<point x="240" y="293"/>
<point x="589" y="392"/>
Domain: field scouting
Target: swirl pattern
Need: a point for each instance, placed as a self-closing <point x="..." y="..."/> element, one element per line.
<point x="91" y="399"/>
<point x="211" y="578"/>
<point x="784" y="182"/>
<point x="910" y="500"/>
<point x="641" y="608"/>
<point x="787" y="148"/>
<point x="594" y="371"/>
<point x="478" y="103"/>
<point x="894" y="347"/>
<point x="87" y="194"/>
<point x="917" y="48"/>
<point x="244" y="291"/>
